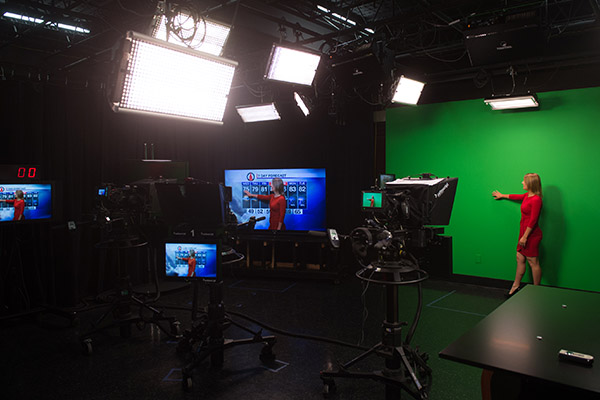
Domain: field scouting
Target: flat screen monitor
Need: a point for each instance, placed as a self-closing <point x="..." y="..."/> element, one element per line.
<point x="372" y="200"/>
<point x="192" y="260"/>
<point x="304" y="191"/>
<point x="37" y="197"/>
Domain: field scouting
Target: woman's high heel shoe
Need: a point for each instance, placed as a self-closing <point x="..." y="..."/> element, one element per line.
<point x="509" y="294"/>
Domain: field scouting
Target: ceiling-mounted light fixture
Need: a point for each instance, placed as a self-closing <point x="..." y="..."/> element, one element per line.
<point x="408" y="91"/>
<point x="293" y="66"/>
<point x="341" y="18"/>
<point x="512" y="102"/>
<point x="303" y="103"/>
<point x="158" y="77"/>
<point x="47" y="24"/>
<point x="260" y="112"/>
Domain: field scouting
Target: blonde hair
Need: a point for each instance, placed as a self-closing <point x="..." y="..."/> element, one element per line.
<point x="278" y="185"/>
<point x="534" y="183"/>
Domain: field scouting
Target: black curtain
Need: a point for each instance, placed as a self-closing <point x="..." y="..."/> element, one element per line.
<point x="71" y="132"/>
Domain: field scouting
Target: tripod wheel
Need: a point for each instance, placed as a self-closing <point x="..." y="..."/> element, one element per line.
<point x="266" y="355"/>
<point x="329" y="388"/>
<point x="176" y="328"/>
<point x="187" y="383"/>
<point x="86" y="347"/>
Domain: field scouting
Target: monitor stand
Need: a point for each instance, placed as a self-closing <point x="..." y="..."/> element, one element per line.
<point x="206" y="338"/>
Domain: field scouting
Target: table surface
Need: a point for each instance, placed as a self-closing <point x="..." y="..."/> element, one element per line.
<point x="525" y="334"/>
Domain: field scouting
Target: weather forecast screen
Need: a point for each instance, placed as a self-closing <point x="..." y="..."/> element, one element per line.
<point x="304" y="192"/>
<point x="37" y="197"/>
<point x="191" y="260"/>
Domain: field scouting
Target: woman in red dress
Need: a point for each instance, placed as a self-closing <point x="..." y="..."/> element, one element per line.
<point x="191" y="260"/>
<point x="277" y="204"/>
<point x="19" y="204"/>
<point x="530" y="233"/>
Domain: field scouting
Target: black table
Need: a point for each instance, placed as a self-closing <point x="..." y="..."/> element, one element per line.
<point x="524" y="335"/>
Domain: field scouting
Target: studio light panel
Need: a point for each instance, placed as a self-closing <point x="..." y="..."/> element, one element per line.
<point x="512" y="102"/>
<point x="170" y="80"/>
<point x="408" y="91"/>
<point x="259" y="112"/>
<point x="209" y="36"/>
<point x="294" y="66"/>
<point x="302" y="104"/>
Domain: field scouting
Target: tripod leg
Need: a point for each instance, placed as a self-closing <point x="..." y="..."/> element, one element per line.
<point x="413" y="376"/>
<point x="361" y="356"/>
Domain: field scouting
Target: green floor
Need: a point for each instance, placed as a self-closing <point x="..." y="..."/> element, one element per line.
<point x="448" y="312"/>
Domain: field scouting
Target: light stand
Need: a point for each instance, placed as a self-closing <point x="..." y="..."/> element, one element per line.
<point x="405" y="368"/>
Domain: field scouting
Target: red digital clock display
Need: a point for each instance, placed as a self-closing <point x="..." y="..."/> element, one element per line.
<point x="26" y="172"/>
<point x="19" y="172"/>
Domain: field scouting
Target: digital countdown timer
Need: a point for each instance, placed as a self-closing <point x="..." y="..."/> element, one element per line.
<point x="20" y="172"/>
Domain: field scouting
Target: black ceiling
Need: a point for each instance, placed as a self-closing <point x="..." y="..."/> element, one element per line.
<point x="471" y="46"/>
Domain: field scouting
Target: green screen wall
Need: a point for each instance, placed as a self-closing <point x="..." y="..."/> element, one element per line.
<point x="490" y="150"/>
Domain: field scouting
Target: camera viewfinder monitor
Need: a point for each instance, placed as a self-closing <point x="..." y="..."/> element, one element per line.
<point x="304" y="191"/>
<point x="37" y="197"/>
<point x="385" y="178"/>
<point x="192" y="261"/>
<point x="372" y="200"/>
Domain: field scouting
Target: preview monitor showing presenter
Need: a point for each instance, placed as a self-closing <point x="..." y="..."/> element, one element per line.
<point x="372" y="200"/>
<point x="190" y="261"/>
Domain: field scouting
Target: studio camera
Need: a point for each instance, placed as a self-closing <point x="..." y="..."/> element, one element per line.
<point x="407" y="213"/>
<point x="120" y="209"/>
<point x="402" y="216"/>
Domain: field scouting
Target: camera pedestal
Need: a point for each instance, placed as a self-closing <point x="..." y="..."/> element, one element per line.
<point x="405" y="368"/>
<point x="206" y="339"/>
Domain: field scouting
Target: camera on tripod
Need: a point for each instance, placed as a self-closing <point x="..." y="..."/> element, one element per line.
<point x="120" y="209"/>
<point x="406" y="214"/>
<point x="400" y="216"/>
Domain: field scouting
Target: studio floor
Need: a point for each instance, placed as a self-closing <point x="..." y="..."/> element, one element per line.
<point x="42" y="355"/>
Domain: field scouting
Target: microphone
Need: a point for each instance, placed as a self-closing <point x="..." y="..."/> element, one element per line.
<point x="251" y="222"/>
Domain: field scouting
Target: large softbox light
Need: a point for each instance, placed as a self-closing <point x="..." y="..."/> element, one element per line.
<point x="167" y="79"/>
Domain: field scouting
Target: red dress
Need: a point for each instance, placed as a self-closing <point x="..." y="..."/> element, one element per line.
<point x="19" y="208"/>
<point x="191" y="265"/>
<point x="530" y="212"/>
<point x="277" y="206"/>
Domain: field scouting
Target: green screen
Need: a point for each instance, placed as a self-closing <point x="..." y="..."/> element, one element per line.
<point x="371" y="200"/>
<point x="492" y="150"/>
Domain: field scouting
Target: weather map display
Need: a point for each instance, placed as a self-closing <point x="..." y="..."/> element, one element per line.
<point x="38" y="200"/>
<point x="177" y="255"/>
<point x="304" y="192"/>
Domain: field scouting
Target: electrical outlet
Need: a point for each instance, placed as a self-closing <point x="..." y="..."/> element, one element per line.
<point x="477" y="258"/>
